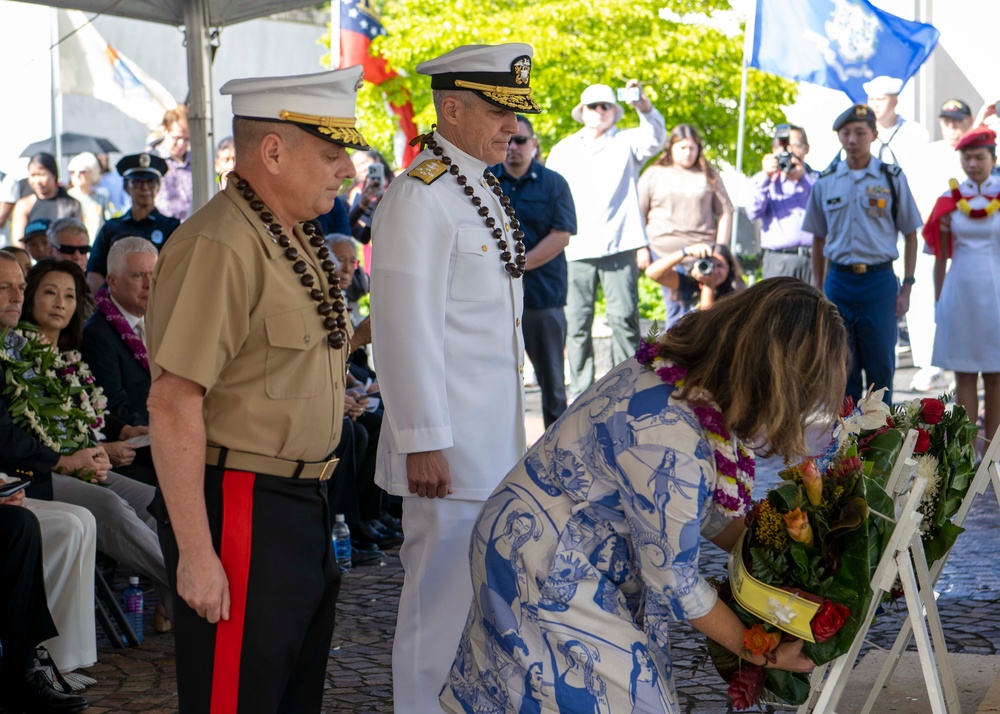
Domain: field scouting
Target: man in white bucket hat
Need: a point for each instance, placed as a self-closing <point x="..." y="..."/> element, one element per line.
<point x="602" y="166"/>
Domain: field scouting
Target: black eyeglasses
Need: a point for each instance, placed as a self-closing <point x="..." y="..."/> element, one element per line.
<point x="520" y="140"/>
<point x="602" y="106"/>
<point x="71" y="249"/>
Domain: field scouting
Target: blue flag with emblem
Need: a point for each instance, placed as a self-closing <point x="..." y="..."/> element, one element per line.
<point x="839" y="44"/>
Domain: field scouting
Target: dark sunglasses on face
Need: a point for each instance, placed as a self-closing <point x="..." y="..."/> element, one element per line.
<point x="520" y="140"/>
<point x="71" y="249"/>
<point x="602" y="106"/>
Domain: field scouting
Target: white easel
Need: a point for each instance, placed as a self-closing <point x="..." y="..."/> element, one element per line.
<point x="904" y="559"/>
<point x="986" y="473"/>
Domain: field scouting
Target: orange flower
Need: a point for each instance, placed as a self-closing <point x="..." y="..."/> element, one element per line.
<point x="812" y="481"/>
<point x="758" y="641"/>
<point x="799" y="528"/>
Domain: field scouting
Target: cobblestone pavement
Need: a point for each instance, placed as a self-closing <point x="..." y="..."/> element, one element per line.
<point x="359" y="673"/>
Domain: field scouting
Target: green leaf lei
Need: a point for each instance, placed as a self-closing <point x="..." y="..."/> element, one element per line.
<point x="50" y="393"/>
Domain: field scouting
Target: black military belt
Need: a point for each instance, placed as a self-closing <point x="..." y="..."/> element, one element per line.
<point x="861" y="268"/>
<point x="801" y="250"/>
<point x="245" y="461"/>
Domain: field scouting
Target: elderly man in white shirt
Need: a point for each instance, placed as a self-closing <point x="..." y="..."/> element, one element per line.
<point x="602" y="166"/>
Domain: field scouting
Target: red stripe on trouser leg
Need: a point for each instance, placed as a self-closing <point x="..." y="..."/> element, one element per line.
<point x="237" y="536"/>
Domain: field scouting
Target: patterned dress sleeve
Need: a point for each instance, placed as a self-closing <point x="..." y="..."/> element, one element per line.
<point x="667" y="471"/>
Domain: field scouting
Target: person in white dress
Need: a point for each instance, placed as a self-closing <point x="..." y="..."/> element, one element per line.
<point x="965" y="228"/>
<point x="938" y="162"/>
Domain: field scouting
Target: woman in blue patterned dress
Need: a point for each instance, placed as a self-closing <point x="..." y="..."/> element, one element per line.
<point x="590" y="546"/>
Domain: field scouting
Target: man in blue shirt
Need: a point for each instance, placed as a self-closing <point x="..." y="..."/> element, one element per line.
<point x="142" y="174"/>
<point x="544" y="205"/>
<point x="855" y="210"/>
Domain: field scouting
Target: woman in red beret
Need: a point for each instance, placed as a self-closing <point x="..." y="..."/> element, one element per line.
<point x="965" y="227"/>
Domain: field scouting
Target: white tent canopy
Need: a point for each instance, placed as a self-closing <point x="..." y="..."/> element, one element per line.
<point x="198" y="18"/>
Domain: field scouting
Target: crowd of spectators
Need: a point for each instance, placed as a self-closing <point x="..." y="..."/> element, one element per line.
<point x="74" y="287"/>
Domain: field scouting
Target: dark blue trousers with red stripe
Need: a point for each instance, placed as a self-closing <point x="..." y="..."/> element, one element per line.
<point x="273" y="537"/>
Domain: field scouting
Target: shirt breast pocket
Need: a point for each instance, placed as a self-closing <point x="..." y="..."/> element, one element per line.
<point x="477" y="268"/>
<point x="293" y="341"/>
<point x="877" y="210"/>
<point x="837" y="216"/>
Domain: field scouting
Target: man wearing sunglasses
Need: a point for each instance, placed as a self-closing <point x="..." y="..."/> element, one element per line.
<point x="602" y="166"/>
<point x="142" y="174"/>
<point x="70" y="241"/>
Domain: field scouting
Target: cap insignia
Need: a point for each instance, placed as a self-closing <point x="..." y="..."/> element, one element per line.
<point x="521" y="67"/>
<point x="950" y="106"/>
<point x="861" y="111"/>
<point x="144" y="161"/>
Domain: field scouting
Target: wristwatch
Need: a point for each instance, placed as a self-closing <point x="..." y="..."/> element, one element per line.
<point x="909" y="281"/>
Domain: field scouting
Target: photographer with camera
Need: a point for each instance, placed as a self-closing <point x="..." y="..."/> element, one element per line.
<point x="714" y="273"/>
<point x="780" y="200"/>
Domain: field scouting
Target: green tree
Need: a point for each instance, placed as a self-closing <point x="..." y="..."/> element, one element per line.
<point x="691" y="72"/>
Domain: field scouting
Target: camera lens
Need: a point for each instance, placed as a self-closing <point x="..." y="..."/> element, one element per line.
<point x="705" y="266"/>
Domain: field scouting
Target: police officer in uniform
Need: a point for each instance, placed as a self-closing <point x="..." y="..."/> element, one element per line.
<point x="247" y="345"/>
<point x="447" y="261"/>
<point x="141" y="174"/>
<point x="855" y="210"/>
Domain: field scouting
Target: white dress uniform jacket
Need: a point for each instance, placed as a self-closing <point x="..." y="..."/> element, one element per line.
<point x="446" y="331"/>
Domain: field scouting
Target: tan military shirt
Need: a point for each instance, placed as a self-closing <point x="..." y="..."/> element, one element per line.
<point x="228" y="312"/>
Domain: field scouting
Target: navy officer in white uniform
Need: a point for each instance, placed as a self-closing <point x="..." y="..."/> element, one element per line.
<point x="855" y="210"/>
<point x="446" y="302"/>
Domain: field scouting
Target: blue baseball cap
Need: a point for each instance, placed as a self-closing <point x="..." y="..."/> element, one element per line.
<point x="36" y="227"/>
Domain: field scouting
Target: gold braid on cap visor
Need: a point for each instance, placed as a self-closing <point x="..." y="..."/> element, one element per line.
<point x="336" y="128"/>
<point x="513" y="97"/>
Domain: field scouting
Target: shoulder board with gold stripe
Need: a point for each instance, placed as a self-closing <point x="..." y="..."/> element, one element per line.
<point x="428" y="171"/>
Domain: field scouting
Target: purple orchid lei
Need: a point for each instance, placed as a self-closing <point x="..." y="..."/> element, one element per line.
<point x="115" y="318"/>
<point x="734" y="466"/>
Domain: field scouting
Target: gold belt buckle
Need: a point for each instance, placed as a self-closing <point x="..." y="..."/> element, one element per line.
<point x="328" y="468"/>
<point x="859" y="268"/>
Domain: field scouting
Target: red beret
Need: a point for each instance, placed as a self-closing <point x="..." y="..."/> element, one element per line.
<point x="977" y="138"/>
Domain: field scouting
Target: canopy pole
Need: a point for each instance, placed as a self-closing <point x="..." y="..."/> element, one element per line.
<point x="748" y="38"/>
<point x="57" y="104"/>
<point x="199" y="49"/>
<point x="335" y="35"/>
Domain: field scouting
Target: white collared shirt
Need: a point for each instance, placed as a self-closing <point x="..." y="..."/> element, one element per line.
<point x="129" y="317"/>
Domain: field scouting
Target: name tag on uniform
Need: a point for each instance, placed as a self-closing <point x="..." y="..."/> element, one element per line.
<point x="832" y="201"/>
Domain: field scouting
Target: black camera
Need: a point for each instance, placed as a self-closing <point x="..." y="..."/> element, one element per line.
<point x="782" y="137"/>
<point x="705" y="265"/>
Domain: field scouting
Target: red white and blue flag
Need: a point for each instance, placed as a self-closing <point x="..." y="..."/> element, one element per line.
<point x="359" y="24"/>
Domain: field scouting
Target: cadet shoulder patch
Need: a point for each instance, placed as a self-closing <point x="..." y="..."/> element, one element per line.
<point x="827" y="171"/>
<point x="428" y="171"/>
<point x="892" y="169"/>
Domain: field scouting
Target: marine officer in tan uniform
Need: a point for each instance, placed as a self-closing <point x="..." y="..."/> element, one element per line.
<point x="248" y="341"/>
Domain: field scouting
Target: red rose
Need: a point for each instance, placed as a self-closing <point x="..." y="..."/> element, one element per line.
<point x="923" y="441"/>
<point x="828" y="621"/>
<point x="931" y="410"/>
<point x="746" y="686"/>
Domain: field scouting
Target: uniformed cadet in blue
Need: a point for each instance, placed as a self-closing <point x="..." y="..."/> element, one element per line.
<point x="142" y="174"/>
<point x="856" y="208"/>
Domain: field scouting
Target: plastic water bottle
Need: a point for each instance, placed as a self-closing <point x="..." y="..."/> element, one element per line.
<point x="341" y="542"/>
<point x="134" y="606"/>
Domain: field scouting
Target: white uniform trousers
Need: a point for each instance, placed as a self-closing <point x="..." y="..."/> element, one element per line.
<point x="69" y="545"/>
<point x="435" y="600"/>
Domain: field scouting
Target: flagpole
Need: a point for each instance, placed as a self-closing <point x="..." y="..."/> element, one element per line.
<point x="748" y="38"/>
<point x="335" y="34"/>
<point x="57" y="124"/>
